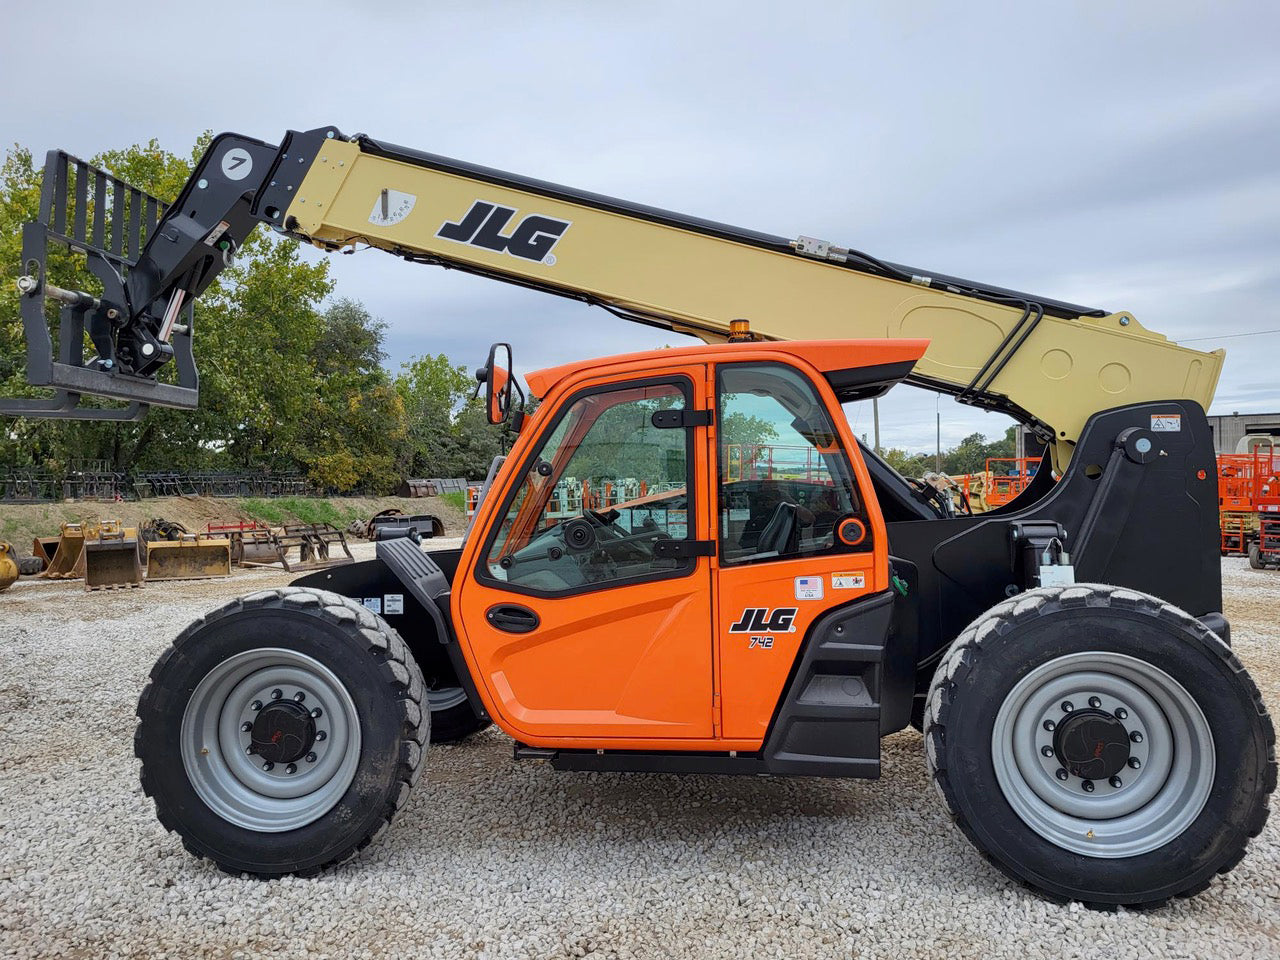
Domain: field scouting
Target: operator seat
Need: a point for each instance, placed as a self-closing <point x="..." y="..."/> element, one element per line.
<point x="781" y="534"/>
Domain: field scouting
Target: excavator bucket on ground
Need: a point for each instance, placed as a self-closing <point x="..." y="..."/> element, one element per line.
<point x="109" y="558"/>
<point x="44" y="548"/>
<point x="8" y="566"/>
<point x="197" y="556"/>
<point x="66" y="554"/>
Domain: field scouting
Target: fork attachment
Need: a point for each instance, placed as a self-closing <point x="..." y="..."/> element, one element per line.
<point x="147" y="263"/>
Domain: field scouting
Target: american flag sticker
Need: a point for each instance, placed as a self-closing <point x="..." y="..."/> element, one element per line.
<point x="808" y="588"/>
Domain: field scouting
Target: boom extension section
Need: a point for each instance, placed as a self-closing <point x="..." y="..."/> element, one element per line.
<point x="1048" y="363"/>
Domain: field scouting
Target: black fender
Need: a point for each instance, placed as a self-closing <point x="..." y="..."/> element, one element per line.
<point x="409" y="588"/>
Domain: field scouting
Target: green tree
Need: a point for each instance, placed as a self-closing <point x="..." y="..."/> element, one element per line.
<point x="255" y="329"/>
<point x="448" y="432"/>
<point x="355" y="429"/>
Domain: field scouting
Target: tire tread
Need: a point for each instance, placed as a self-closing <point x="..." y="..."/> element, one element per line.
<point x="1004" y="617"/>
<point x="368" y="632"/>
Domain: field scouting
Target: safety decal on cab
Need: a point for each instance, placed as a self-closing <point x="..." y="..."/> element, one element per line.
<point x="764" y="620"/>
<point x="848" y="581"/>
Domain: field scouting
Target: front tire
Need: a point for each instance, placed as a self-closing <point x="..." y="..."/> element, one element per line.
<point x="1099" y="745"/>
<point x="282" y="732"/>
<point x="1255" y="556"/>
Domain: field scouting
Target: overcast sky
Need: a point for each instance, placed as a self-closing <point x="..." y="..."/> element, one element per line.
<point x="1119" y="155"/>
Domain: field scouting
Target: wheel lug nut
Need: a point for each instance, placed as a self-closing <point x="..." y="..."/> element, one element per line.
<point x="320" y="735"/>
<point x="311" y="758"/>
<point x="246" y="727"/>
<point x="291" y="768"/>
<point x="1116" y="782"/>
<point x="1050" y="725"/>
<point x="1122" y="713"/>
<point x="1046" y="751"/>
<point x="299" y="696"/>
<point x="256" y="705"/>
<point x="1134" y="763"/>
<point x="1087" y="786"/>
<point x="268" y="766"/>
<point x="1095" y="702"/>
<point x="317" y="713"/>
<point x="277" y="694"/>
<point x="1067" y="706"/>
<point x="1061" y="774"/>
<point x="248" y="751"/>
<point x="1136" y="736"/>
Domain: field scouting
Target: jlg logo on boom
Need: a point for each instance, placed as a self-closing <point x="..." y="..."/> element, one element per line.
<point x="533" y="238"/>
<point x="762" y="620"/>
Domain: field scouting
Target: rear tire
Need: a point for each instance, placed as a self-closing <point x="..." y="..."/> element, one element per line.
<point x="30" y="566"/>
<point x="452" y="721"/>
<point x="1255" y="557"/>
<point x="343" y="732"/>
<point x="1169" y="755"/>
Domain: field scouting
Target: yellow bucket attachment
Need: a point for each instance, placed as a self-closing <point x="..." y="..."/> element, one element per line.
<point x="194" y="557"/>
<point x="44" y="548"/>
<point x="8" y="566"/>
<point x="109" y="558"/>
<point x="66" y="556"/>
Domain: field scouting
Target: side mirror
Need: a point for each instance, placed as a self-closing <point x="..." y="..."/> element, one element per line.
<point x="497" y="380"/>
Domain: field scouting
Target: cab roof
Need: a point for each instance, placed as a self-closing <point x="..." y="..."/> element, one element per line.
<point x="855" y="369"/>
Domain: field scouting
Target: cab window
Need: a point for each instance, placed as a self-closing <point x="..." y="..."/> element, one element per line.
<point x="604" y="487"/>
<point x="784" y="477"/>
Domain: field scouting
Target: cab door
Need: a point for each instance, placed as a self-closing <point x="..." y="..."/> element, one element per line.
<point x="795" y="536"/>
<point x="587" y="612"/>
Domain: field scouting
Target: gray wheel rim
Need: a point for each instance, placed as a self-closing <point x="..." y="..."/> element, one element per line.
<point x="237" y="785"/>
<point x="1170" y="769"/>
<point x="445" y="698"/>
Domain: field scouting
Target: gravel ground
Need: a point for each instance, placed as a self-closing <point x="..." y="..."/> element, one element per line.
<point x="497" y="859"/>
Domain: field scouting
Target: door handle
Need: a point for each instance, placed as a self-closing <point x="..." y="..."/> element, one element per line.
<point x="512" y="618"/>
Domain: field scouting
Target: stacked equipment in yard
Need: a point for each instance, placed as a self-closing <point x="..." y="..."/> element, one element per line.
<point x="1249" y="504"/>
<point x="1237" y="502"/>
<point x="1264" y="551"/>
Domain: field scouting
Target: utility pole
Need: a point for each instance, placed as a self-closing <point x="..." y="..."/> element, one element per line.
<point x="937" y="451"/>
<point x="875" y="412"/>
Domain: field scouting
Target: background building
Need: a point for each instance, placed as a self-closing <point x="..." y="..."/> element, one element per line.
<point x="1228" y="429"/>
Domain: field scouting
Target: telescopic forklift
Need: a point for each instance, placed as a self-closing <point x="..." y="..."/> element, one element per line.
<point x="1085" y="721"/>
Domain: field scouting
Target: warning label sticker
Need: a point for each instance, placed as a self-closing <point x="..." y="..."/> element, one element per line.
<point x="848" y="581"/>
<point x="1166" y="422"/>
<point x="393" y="603"/>
<point x="373" y="603"/>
